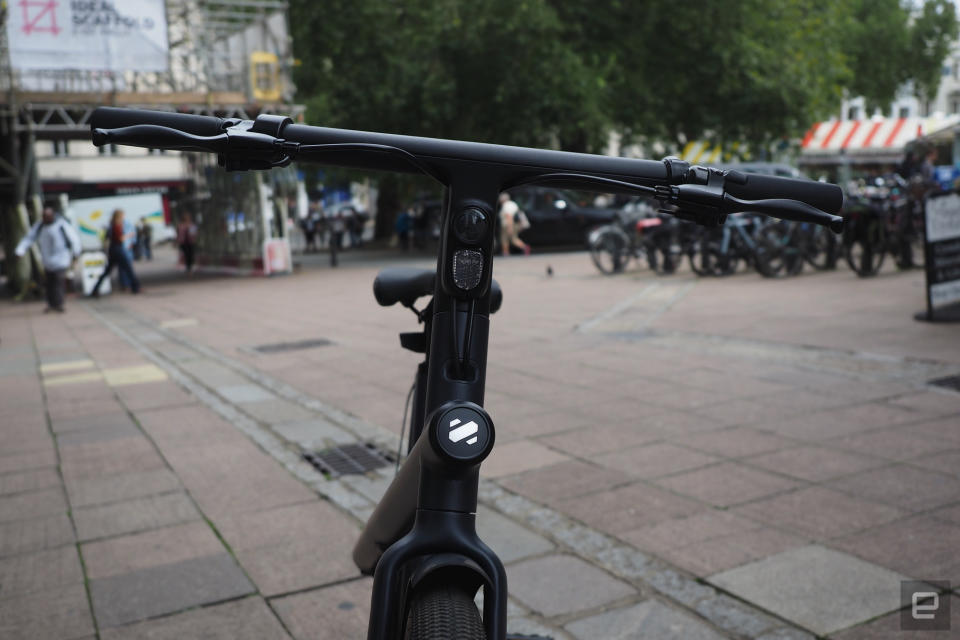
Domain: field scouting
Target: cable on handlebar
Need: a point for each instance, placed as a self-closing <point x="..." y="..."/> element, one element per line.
<point x="364" y="146"/>
<point x="585" y="178"/>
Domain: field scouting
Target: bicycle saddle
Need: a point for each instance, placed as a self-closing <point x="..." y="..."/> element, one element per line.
<point x="406" y="284"/>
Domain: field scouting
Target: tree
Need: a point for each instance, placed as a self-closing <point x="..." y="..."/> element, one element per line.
<point x="886" y="47"/>
<point x="498" y="71"/>
<point x="931" y="36"/>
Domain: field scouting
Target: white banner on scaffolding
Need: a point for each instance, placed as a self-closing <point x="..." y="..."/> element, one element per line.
<point x="93" y="35"/>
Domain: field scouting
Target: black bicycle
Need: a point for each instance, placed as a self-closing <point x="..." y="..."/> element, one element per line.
<point x="421" y="544"/>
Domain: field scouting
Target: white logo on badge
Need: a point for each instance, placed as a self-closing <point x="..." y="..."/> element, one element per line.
<point x="463" y="431"/>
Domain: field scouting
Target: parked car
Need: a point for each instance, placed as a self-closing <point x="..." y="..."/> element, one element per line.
<point x="559" y="217"/>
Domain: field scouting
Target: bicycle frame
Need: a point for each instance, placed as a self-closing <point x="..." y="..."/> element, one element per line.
<point x="425" y="522"/>
<point x="413" y="536"/>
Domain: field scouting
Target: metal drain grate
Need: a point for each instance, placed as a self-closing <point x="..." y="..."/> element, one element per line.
<point x="349" y="459"/>
<point x="950" y="382"/>
<point x="292" y="346"/>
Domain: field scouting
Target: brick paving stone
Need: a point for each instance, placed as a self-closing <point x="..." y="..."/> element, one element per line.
<point x="117" y="518"/>
<point x="508" y="539"/>
<point x="27" y="461"/>
<point x="892" y="444"/>
<point x="903" y="486"/>
<point x="122" y="486"/>
<point x="212" y="374"/>
<point x="889" y="628"/>
<point x="519" y="456"/>
<point x="726" y="552"/>
<point x="152" y="396"/>
<point x="226" y="479"/>
<point x="743" y="412"/>
<point x="587" y="441"/>
<point x="949" y="514"/>
<point x="28" y="573"/>
<point x="331" y="613"/>
<point x="24" y="536"/>
<point x="544" y="422"/>
<point x="814" y="464"/>
<point x="168" y="545"/>
<point x="243" y="393"/>
<point x="113" y="431"/>
<point x="845" y="421"/>
<point x="561" y="584"/>
<point x="932" y="402"/>
<point x="654" y="460"/>
<point x="31" y="480"/>
<point x="167" y="588"/>
<point x="186" y="426"/>
<point x="948" y="462"/>
<point x="35" y="504"/>
<point x="726" y="484"/>
<point x="921" y="547"/>
<point x="945" y="428"/>
<point x="27" y="441"/>
<point x="112" y="458"/>
<point x="801" y="400"/>
<point x="278" y="547"/>
<point x="370" y="485"/>
<point x="276" y="411"/>
<point x="736" y="442"/>
<point x="315" y="433"/>
<point x="699" y="527"/>
<point x="70" y="410"/>
<point x="247" y="619"/>
<point x="564" y="480"/>
<point x="112" y="419"/>
<point x="819" y="512"/>
<point x="649" y="620"/>
<point x="54" y="614"/>
<point x="626" y="508"/>
<point x="825" y="590"/>
<point x="683" y="397"/>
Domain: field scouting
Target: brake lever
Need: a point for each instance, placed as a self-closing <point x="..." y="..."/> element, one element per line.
<point x="155" y="136"/>
<point x="794" y="210"/>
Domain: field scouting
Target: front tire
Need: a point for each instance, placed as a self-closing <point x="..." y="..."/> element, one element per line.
<point x="443" y="612"/>
<point x="609" y="251"/>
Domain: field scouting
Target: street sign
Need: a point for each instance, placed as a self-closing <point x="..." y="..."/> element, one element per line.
<point x="942" y="251"/>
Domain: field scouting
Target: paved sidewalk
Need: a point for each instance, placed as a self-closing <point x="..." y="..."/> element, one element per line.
<point x="675" y="458"/>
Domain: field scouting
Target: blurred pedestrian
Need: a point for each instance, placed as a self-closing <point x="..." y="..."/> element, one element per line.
<point x="336" y="226"/>
<point x="309" y="226"/>
<point x="402" y="227"/>
<point x="512" y="222"/>
<point x="187" y="240"/>
<point x="145" y="238"/>
<point x="356" y="221"/>
<point x="117" y="255"/>
<point x="59" y="247"/>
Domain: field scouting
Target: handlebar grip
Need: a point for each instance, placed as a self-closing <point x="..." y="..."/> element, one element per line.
<point x="752" y="186"/>
<point x="116" y="118"/>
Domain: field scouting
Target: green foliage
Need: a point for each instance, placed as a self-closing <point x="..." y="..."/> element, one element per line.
<point x="931" y="35"/>
<point x="564" y="73"/>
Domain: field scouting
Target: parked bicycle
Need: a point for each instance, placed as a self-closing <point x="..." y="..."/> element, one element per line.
<point x="639" y="233"/>
<point x="884" y="217"/>
<point x="420" y="544"/>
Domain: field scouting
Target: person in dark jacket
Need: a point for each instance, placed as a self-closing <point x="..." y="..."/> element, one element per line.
<point x="117" y="255"/>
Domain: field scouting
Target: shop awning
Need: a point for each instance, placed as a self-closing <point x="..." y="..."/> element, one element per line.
<point x="873" y="139"/>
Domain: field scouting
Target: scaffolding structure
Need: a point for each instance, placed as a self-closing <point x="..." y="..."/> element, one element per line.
<point x="226" y="58"/>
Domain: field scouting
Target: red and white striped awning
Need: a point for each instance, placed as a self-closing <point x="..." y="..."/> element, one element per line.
<point x="877" y="135"/>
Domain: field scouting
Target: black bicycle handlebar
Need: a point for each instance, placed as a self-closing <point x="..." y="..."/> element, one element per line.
<point x="704" y="195"/>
